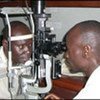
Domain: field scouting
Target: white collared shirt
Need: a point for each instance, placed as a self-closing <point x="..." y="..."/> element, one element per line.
<point x="92" y="87"/>
<point x="4" y="93"/>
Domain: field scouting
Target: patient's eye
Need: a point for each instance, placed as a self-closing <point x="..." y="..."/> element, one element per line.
<point x="30" y="45"/>
<point x="20" y="46"/>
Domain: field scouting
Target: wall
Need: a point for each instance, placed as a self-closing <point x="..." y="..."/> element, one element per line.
<point x="62" y="19"/>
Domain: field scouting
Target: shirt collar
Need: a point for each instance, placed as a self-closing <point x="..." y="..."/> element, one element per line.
<point x="4" y="58"/>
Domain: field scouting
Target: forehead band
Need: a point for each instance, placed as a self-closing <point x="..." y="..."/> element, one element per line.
<point x="22" y="37"/>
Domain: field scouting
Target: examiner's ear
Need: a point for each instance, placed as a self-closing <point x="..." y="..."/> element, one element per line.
<point x="86" y="51"/>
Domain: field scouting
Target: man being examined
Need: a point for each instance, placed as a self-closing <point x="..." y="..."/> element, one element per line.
<point x="21" y="53"/>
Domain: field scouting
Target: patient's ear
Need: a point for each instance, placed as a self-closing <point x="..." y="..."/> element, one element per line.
<point x="5" y="45"/>
<point x="87" y="51"/>
<point x="4" y="42"/>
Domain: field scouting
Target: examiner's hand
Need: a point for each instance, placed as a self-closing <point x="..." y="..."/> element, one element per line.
<point x="52" y="96"/>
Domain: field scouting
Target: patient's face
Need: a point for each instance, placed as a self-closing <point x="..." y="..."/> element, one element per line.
<point x="21" y="51"/>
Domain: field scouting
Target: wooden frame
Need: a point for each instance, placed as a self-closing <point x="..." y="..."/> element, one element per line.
<point x="73" y="3"/>
<point x="54" y="3"/>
